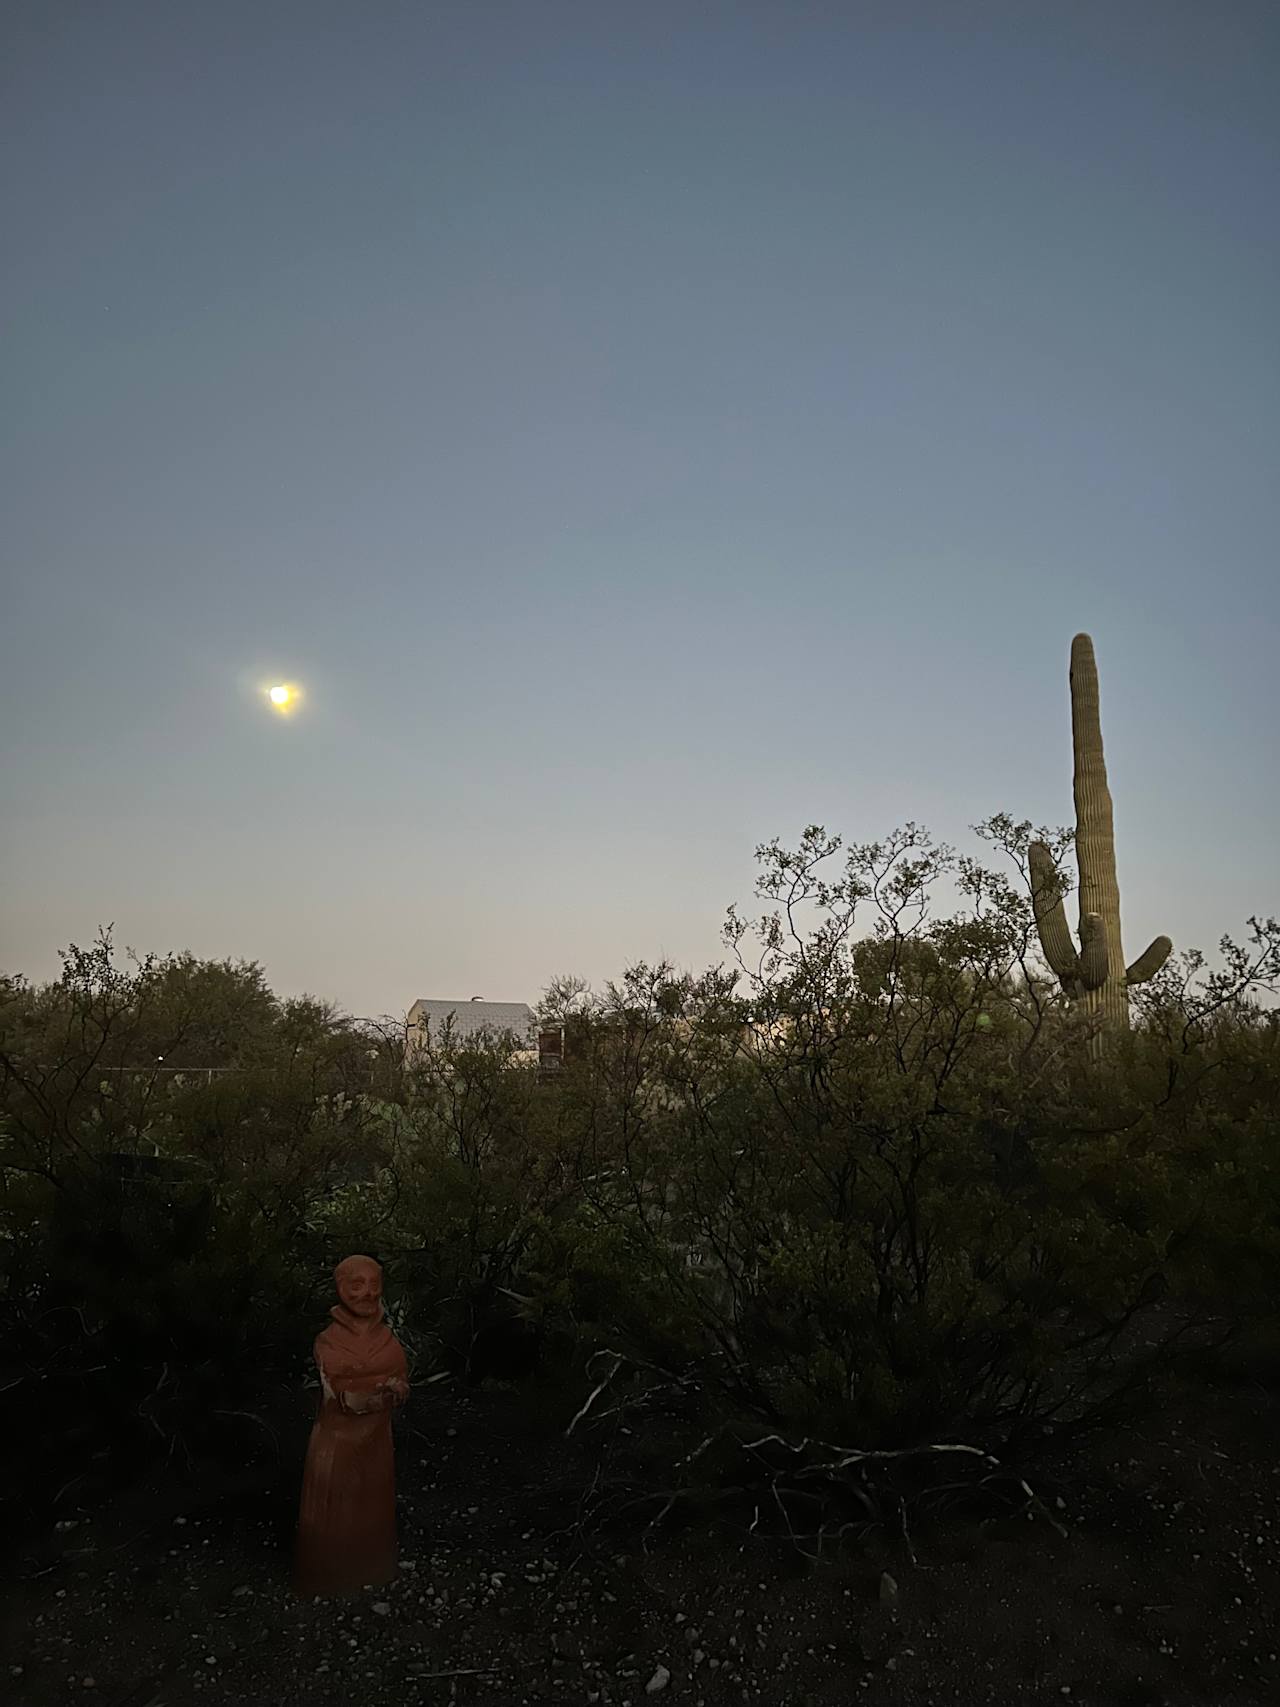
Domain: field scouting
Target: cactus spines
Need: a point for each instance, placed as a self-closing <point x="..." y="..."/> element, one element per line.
<point x="1095" y="974"/>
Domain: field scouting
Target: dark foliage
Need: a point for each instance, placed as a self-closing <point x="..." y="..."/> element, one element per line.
<point x="861" y="1188"/>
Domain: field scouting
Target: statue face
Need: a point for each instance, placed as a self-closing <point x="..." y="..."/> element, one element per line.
<point x="361" y="1291"/>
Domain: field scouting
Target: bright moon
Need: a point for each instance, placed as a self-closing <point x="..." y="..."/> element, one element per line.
<point x="284" y="698"/>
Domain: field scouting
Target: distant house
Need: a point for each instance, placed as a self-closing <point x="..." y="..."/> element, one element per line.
<point x="428" y="1019"/>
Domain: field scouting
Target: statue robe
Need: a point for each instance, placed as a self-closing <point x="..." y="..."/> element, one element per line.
<point x="347" y="1519"/>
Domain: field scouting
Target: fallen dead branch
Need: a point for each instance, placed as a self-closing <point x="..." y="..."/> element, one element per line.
<point x="837" y="1473"/>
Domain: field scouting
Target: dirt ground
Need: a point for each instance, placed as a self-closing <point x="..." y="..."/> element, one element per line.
<point x="1165" y="1590"/>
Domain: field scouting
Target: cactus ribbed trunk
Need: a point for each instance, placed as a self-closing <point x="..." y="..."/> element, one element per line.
<point x="1095" y="835"/>
<point x="1095" y="974"/>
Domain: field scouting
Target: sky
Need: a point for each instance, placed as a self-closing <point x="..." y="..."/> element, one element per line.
<point x="642" y="430"/>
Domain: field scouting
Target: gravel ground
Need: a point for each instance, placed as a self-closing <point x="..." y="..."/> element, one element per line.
<point x="1166" y="1588"/>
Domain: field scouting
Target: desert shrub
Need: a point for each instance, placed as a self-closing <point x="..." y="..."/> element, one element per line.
<point x="926" y="1209"/>
<point x="477" y="1210"/>
<point x="149" y="1312"/>
<point x="863" y="1184"/>
<point x="153" y="1276"/>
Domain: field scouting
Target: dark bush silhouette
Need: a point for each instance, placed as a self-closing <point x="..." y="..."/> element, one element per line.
<point x="865" y="1186"/>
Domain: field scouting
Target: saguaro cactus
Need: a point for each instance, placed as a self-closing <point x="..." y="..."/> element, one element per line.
<point x="1095" y="974"/>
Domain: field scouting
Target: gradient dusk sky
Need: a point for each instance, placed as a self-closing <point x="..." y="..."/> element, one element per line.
<point x="643" y="429"/>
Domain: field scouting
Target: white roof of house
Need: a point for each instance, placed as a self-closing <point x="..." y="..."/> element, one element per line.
<point x="471" y="1017"/>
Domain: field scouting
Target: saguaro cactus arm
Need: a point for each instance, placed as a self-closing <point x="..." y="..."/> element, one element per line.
<point x="1149" y="961"/>
<point x="1085" y="968"/>
<point x="1051" y="918"/>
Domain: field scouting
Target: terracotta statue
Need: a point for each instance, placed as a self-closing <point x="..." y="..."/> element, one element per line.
<point x="347" y="1521"/>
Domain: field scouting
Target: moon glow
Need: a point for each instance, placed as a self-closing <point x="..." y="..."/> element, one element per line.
<point x="283" y="697"/>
